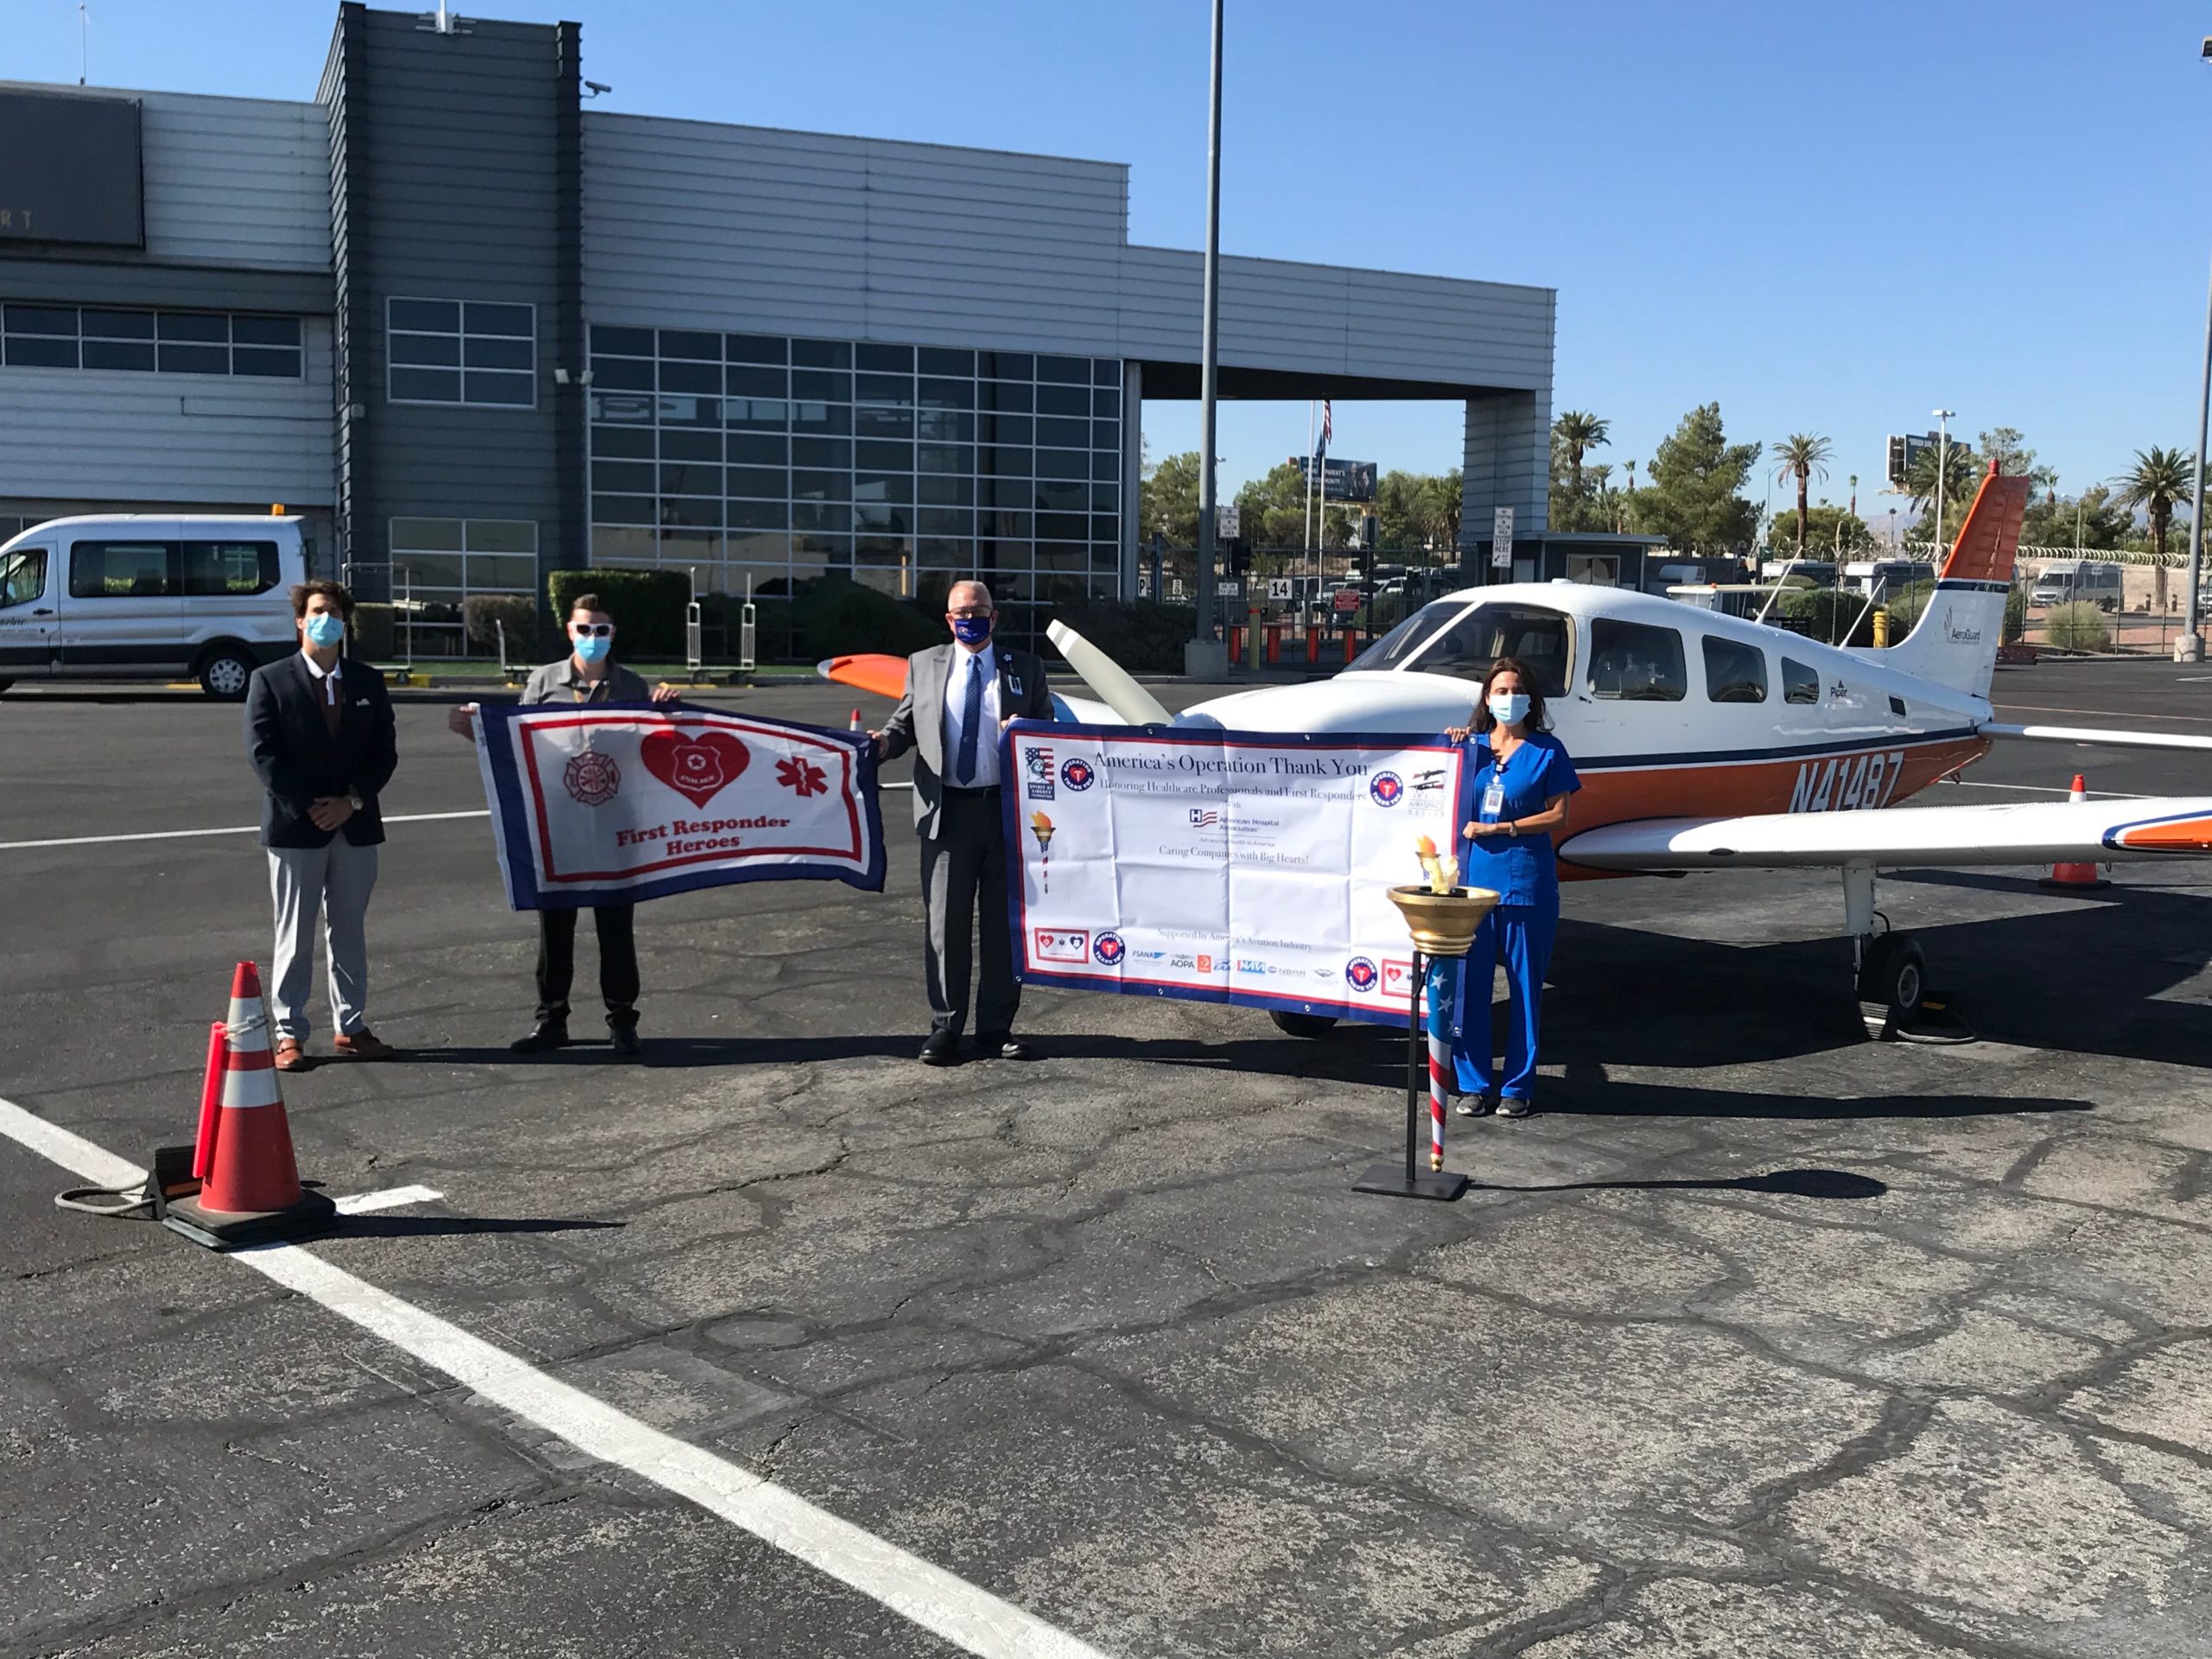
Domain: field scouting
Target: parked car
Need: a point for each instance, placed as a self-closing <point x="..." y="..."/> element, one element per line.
<point x="141" y="596"/>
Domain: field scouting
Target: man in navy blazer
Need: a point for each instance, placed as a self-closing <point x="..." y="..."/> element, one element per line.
<point x="318" y="732"/>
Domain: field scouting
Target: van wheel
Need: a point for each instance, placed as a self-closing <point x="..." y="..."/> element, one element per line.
<point x="5" y="684"/>
<point x="1302" y="1025"/>
<point x="224" y="674"/>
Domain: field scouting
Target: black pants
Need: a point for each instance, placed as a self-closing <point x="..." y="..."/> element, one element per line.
<point x="964" y="903"/>
<point x="617" y="962"/>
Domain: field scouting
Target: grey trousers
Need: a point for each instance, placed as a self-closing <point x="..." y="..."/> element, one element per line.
<point x="334" y="882"/>
<point x="964" y="891"/>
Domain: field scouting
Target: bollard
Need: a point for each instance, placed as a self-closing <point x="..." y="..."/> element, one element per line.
<point x="1275" y="643"/>
<point x="1236" y="646"/>
<point x="1313" y="644"/>
<point x="1351" y="641"/>
<point x="1881" y="627"/>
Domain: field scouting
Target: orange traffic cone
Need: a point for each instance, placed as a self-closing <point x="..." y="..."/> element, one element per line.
<point x="250" y="1187"/>
<point x="2074" y="878"/>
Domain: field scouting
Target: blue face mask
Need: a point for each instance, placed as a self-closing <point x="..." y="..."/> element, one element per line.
<point x="972" y="630"/>
<point x="325" y="629"/>
<point x="593" y="648"/>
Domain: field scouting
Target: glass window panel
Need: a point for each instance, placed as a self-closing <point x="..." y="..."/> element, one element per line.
<point x="761" y="482"/>
<point x="229" y="567"/>
<point x="883" y="486"/>
<point x="883" y="456"/>
<point x="622" y="509"/>
<point x="1075" y="370"/>
<point x="612" y="373"/>
<point x="1055" y="497"/>
<point x="139" y="324"/>
<point x="276" y="361"/>
<point x="821" y="515"/>
<point x="121" y="353"/>
<point x="679" y="410"/>
<point x="1105" y="497"/>
<point x="479" y="352"/>
<point x="1106" y="464"/>
<point x="689" y="478"/>
<point x="1007" y="492"/>
<point x="426" y="535"/>
<point x="745" y="380"/>
<point x="1106" y="435"/>
<point x="1008" y="523"/>
<point x="821" y="486"/>
<point x="203" y="327"/>
<point x="760" y="515"/>
<point x="616" y="545"/>
<point x="679" y="376"/>
<point x="245" y="330"/>
<point x="883" y="518"/>
<point x="1734" y="671"/>
<point x="1006" y="429"/>
<point x="431" y="350"/>
<point x="677" y="444"/>
<point x="1064" y="432"/>
<point x="629" y="442"/>
<point x="937" y="359"/>
<point x="758" y="448"/>
<point x="882" y="421"/>
<point x="496" y="386"/>
<point x="756" y="413"/>
<point x="1005" y="365"/>
<point x="425" y="385"/>
<point x="514" y="572"/>
<point x="436" y="315"/>
<point x="822" y="354"/>
<point x="1063" y="463"/>
<point x="944" y="490"/>
<point x="500" y="535"/>
<point x="880" y="551"/>
<point x="822" y="420"/>
<point x="883" y="388"/>
<point x="1105" y="556"/>
<point x="830" y="385"/>
<point x="622" y="342"/>
<point x="1106" y="405"/>
<point x="1003" y="461"/>
<point x="945" y="521"/>
<point x="1062" y="400"/>
<point x="40" y="319"/>
<point x="946" y="394"/>
<point x="945" y="425"/>
<point x="441" y="570"/>
<point x="120" y="570"/>
<point x="1063" y="527"/>
<point x="487" y="317"/>
<point x="886" y="359"/>
<point x="1634" y="662"/>
<point x="690" y="343"/>
<point x="195" y="360"/>
<point x="945" y="458"/>
<point x="688" y="510"/>
<point x="627" y="476"/>
<point x="822" y="452"/>
<point x="992" y="394"/>
<point x="945" y="553"/>
<point x="755" y="348"/>
<point x="835" y="546"/>
<point x="1010" y="586"/>
<point x="761" y="549"/>
<point x="1105" y="371"/>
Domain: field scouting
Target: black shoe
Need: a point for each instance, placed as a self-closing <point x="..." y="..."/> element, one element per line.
<point x="1003" y="1046"/>
<point x="943" y="1048"/>
<point x="547" y="1033"/>
<point x="1515" y="1106"/>
<point x="626" y="1041"/>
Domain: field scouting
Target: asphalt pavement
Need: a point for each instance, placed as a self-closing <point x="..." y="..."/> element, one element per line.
<point x="1759" y="1339"/>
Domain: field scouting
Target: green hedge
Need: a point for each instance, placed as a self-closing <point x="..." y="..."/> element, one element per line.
<point x="373" y="634"/>
<point x="646" y="605"/>
<point x="520" y="616"/>
<point x="2079" y="625"/>
<point x="1143" y="637"/>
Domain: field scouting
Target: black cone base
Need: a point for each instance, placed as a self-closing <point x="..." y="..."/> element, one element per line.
<point x="229" y="1230"/>
<point x="1389" y="1181"/>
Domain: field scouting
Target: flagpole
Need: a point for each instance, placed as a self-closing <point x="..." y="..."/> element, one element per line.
<point x="1309" y="500"/>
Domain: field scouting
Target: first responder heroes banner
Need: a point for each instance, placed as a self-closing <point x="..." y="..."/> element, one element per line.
<point x="612" y="802"/>
<point x="1226" y="867"/>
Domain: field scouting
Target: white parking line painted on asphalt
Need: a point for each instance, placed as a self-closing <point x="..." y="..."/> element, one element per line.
<point x="940" y="1602"/>
<point x="230" y="830"/>
<point x="393" y="1197"/>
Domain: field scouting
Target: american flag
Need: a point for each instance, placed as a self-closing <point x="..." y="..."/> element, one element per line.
<point x="1321" y="449"/>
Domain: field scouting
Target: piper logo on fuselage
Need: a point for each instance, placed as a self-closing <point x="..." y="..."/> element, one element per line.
<point x="1847" y="783"/>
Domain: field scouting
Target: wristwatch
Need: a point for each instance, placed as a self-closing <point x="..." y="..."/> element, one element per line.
<point x="353" y="798"/>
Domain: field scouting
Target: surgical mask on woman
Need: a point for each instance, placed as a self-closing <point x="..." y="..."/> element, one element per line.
<point x="326" y="629"/>
<point x="1508" y="708"/>
<point x="592" y="647"/>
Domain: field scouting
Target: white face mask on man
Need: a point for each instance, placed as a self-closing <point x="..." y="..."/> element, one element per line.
<point x="1508" y="708"/>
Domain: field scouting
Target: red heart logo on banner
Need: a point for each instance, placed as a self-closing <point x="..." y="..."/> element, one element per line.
<point x="696" y="766"/>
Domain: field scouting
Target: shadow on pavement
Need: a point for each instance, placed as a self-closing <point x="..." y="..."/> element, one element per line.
<point x="1837" y="1184"/>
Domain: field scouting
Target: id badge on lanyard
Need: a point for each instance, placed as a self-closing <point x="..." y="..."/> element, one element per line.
<point x="1494" y="796"/>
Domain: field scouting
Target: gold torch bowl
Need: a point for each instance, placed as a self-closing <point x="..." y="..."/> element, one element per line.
<point x="1443" y="923"/>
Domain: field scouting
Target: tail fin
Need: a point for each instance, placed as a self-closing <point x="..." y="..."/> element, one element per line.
<point x="1955" y="641"/>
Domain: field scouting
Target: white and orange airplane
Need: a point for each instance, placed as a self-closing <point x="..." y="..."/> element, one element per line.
<point x="1708" y="742"/>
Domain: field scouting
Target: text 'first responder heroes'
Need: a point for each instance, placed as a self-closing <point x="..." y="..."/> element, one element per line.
<point x="675" y="828"/>
<point x="1273" y="765"/>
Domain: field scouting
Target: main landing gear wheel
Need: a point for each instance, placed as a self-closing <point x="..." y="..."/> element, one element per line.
<point x="1302" y="1025"/>
<point x="1892" y="984"/>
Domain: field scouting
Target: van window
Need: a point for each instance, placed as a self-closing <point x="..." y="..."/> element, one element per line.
<point x="1799" y="682"/>
<point x="1734" y="672"/>
<point x="234" y="567"/>
<point x="1539" y="638"/>
<point x="1634" y="662"/>
<point x="22" y="575"/>
<point x="121" y="570"/>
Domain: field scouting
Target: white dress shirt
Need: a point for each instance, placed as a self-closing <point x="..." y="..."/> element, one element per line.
<point x="964" y="662"/>
<point x="329" y="676"/>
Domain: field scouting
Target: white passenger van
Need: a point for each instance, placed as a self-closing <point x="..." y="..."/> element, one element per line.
<point x="141" y="596"/>
<point x="1887" y="578"/>
<point x="2094" y="581"/>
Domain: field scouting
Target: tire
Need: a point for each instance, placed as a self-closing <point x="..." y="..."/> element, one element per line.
<point x="1302" y="1025"/>
<point x="1895" y="975"/>
<point x="224" y="672"/>
<point x="5" y="684"/>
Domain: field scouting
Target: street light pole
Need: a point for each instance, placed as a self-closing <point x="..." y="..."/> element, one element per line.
<point x="1204" y="657"/>
<point x="1943" y="471"/>
<point x="2189" y="648"/>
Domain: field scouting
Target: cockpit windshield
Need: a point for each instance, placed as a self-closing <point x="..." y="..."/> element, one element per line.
<point x="1475" y="637"/>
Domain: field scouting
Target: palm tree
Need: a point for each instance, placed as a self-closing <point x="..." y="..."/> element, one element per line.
<point x="1440" y="509"/>
<point x="1576" y="433"/>
<point x="1803" y="454"/>
<point x="2159" y="482"/>
<point x="1961" y="471"/>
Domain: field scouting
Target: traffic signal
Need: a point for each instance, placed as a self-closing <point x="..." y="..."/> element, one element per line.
<point x="1370" y="530"/>
<point x="1897" y="468"/>
<point x="1240" y="556"/>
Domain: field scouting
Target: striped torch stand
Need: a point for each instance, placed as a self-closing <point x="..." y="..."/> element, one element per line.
<point x="1443" y="927"/>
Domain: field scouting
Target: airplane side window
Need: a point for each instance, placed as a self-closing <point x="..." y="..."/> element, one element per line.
<point x="1538" y="638"/>
<point x="1734" y="672"/>
<point x="1634" y="662"/>
<point x="1799" y="682"/>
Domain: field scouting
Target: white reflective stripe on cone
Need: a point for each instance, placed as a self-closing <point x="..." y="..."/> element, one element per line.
<point x="250" y="1080"/>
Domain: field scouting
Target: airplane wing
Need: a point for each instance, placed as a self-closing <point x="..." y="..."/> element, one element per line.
<point x="1905" y="837"/>
<point x="2110" y="739"/>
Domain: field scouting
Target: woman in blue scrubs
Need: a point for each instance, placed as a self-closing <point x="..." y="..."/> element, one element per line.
<point x="1517" y="782"/>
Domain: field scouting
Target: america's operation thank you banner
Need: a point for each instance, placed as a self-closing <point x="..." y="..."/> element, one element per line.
<point x="1229" y="866"/>
<point x="612" y="803"/>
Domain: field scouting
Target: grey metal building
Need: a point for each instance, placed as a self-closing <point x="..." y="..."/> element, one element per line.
<point x="478" y="332"/>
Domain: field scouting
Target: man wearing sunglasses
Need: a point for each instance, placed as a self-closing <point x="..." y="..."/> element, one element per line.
<point x="959" y="698"/>
<point x="587" y="674"/>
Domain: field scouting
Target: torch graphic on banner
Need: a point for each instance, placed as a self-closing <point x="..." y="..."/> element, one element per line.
<point x="1041" y="827"/>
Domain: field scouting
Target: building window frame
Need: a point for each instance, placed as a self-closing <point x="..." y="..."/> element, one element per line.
<point x="475" y="349"/>
<point x="136" y="340"/>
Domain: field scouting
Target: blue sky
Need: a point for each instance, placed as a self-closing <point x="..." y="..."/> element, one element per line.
<point x="1829" y="217"/>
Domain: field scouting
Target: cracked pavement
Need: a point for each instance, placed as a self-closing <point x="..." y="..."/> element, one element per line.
<point x="1757" y="1340"/>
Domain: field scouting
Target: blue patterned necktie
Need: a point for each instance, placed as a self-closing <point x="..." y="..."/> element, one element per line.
<point x="971" y="718"/>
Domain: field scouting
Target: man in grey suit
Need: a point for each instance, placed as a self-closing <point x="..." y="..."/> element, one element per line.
<point x="958" y="698"/>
